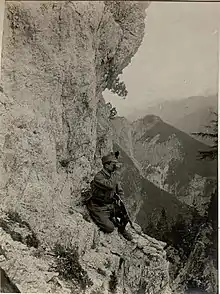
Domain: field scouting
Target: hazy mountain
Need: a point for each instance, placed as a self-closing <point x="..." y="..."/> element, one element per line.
<point x="167" y="157"/>
<point x="189" y="115"/>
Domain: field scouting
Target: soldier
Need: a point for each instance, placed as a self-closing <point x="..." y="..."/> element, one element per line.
<point x="101" y="204"/>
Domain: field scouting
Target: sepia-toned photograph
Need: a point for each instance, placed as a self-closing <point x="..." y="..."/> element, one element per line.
<point x="109" y="147"/>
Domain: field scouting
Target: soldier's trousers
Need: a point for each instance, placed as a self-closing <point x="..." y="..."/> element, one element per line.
<point x="101" y="215"/>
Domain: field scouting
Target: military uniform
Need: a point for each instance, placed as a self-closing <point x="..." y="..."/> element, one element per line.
<point x="100" y="205"/>
<point x="103" y="187"/>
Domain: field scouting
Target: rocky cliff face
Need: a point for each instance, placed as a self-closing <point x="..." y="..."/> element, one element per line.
<point x="122" y="132"/>
<point x="101" y="264"/>
<point x="54" y="56"/>
<point x="57" y="58"/>
<point x="199" y="272"/>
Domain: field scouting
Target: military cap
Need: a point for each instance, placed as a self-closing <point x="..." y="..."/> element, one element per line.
<point x="109" y="158"/>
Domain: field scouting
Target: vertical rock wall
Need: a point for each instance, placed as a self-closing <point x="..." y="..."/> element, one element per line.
<point x="57" y="57"/>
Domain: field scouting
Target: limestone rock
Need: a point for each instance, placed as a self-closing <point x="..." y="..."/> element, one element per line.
<point x="137" y="263"/>
<point x="55" y="64"/>
<point x="57" y="58"/>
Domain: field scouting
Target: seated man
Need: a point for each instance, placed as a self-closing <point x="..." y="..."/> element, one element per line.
<point x="101" y="204"/>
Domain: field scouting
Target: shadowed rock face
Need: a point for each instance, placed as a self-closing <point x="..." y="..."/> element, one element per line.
<point x="195" y="291"/>
<point x="6" y="285"/>
<point x="199" y="272"/>
<point x="144" y="199"/>
<point x="57" y="58"/>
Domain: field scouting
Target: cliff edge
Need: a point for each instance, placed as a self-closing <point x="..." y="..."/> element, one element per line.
<point x="57" y="58"/>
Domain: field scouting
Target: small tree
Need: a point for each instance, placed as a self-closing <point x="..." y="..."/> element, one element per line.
<point x="113" y="112"/>
<point x="162" y="227"/>
<point x="212" y="152"/>
<point x="118" y="87"/>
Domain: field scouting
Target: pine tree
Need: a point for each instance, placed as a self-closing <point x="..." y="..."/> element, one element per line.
<point x="212" y="211"/>
<point x="113" y="112"/>
<point x="118" y="87"/>
<point x="212" y="152"/>
<point x="162" y="227"/>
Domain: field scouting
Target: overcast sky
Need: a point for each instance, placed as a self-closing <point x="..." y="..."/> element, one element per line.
<point x="178" y="57"/>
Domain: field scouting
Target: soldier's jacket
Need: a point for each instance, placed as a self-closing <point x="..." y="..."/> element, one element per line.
<point x="104" y="186"/>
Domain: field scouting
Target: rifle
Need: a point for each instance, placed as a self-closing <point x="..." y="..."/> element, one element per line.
<point x="121" y="216"/>
<point x="120" y="211"/>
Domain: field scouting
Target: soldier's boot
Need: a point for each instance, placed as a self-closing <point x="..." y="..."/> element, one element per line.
<point x="125" y="234"/>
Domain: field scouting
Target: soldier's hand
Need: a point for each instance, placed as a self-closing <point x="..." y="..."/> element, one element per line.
<point x="116" y="176"/>
<point x="118" y="166"/>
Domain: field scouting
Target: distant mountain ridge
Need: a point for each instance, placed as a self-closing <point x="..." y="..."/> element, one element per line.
<point x="167" y="157"/>
<point x="189" y="114"/>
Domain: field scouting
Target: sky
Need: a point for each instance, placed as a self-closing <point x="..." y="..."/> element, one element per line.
<point x="178" y="57"/>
